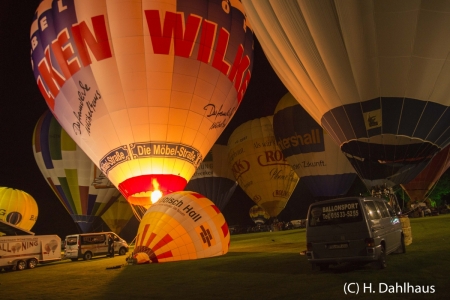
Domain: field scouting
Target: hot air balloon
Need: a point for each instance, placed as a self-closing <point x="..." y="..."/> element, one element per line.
<point x="421" y="186"/>
<point x="374" y="74"/>
<point x="143" y="87"/>
<point x="259" y="165"/>
<point x="214" y="178"/>
<point x="258" y="215"/>
<point x="310" y="150"/>
<point x="181" y="226"/>
<point x="18" y="208"/>
<point x="118" y="215"/>
<point x="81" y="187"/>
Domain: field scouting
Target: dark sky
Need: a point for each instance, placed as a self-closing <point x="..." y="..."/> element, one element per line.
<point x="22" y="105"/>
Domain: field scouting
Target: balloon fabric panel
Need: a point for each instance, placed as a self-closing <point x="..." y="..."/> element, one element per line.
<point x="259" y="166"/>
<point x="310" y="150"/>
<point x="143" y="87"/>
<point x="375" y="76"/>
<point x="420" y="187"/>
<point x="79" y="185"/>
<point x="180" y="226"/>
<point x="18" y="208"/>
<point x="214" y="178"/>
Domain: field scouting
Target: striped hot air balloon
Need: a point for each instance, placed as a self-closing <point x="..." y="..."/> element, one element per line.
<point x="181" y="226"/>
<point x="78" y="183"/>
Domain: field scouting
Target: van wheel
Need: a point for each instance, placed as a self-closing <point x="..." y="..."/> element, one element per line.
<point x="32" y="263"/>
<point x="381" y="262"/>
<point x="21" y="265"/>
<point x="122" y="251"/>
<point x="87" y="256"/>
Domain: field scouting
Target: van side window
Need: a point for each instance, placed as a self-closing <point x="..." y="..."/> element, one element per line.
<point x="93" y="239"/>
<point x="382" y="209"/>
<point x="372" y="210"/>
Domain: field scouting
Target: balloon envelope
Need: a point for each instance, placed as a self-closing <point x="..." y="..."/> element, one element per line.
<point x="143" y="87"/>
<point x="214" y="178"/>
<point x="18" y="208"/>
<point x="80" y="186"/>
<point x="259" y="166"/>
<point x="258" y="214"/>
<point x="181" y="226"/>
<point x="374" y="74"/>
<point x="118" y="215"/>
<point x="310" y="150"/>
<point x="418" y="188"/>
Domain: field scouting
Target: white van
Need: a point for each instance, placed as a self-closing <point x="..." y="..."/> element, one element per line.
<point x="26" y="251"/>
<point x="358" y="230"/>
<point x="87" y="245"/>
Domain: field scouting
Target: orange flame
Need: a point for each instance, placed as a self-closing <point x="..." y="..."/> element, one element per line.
<point x="156" y="194"/>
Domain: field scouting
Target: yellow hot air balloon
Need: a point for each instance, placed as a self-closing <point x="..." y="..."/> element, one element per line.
<point x="181" y="226"/>
<point x="145" y="88"/>
<point x="118" y="215"/>
<point x="18" y="208"/>
<point x="259" y="165"/>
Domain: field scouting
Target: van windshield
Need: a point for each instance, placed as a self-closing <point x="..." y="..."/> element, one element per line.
<point x="347" y="211"/>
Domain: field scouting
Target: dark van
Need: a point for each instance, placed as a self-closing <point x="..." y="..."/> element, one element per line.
<point x="355" y="230"/>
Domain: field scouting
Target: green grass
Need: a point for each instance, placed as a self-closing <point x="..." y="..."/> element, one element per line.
<point x="258" y="266"/>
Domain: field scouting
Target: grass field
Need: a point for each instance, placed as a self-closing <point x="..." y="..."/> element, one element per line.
<point x="258" y="266"/>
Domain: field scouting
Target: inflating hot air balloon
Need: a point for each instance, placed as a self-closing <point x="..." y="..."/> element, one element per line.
<point x="214" y="178"/>
<point x="258" y="215"/>
<point x="181" y="226"/>
<point x="421" y="186"/>
<point x="374" y="74"/>
<point x="18" y="208"/>
<point x="310" y="150"/>
<point x="143" y="87"/>
<point x="118" y="215"/>
<point x="259" y="165"/>
<point x="81" y="187"/>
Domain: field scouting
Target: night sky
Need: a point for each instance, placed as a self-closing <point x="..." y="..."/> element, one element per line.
<point x="22" y="105"/>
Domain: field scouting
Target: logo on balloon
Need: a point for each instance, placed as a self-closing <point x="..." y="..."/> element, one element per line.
<point x="240" y="167"/>
<point x="372" y="119"/>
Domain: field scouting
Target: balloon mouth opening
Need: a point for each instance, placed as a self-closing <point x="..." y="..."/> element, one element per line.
<point x="144" y="190"/>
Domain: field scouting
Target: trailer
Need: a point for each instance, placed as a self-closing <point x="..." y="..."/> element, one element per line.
<point x="26" y="251"/>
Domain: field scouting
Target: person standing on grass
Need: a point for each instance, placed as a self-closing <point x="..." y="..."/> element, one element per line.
<point x="110" y="245"/>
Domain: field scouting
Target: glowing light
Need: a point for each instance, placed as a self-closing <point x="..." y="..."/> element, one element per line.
<point x="156" y="194"/>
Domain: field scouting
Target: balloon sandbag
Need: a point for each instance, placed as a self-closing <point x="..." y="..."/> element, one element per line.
<point x="181" y="226"/>
<point x="18" y="208"/>
<point x="145" y="88"/>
